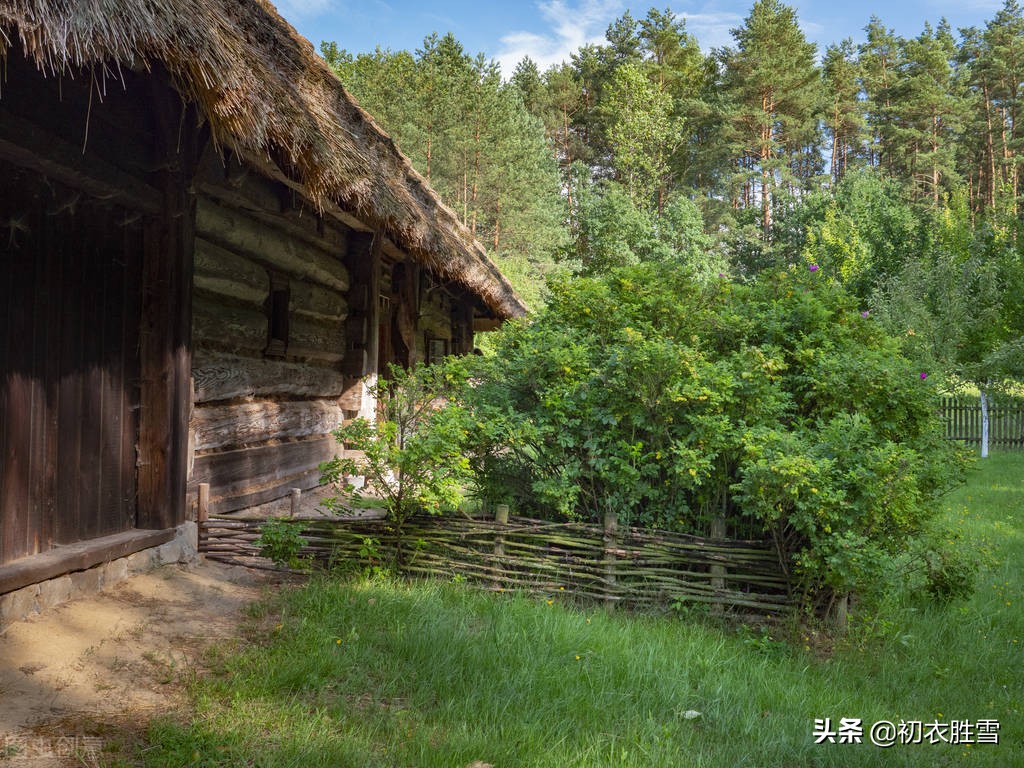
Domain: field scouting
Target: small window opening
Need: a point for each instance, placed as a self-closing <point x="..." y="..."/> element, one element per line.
<point x="436" y="350"/>
<point x="277" y="316"/>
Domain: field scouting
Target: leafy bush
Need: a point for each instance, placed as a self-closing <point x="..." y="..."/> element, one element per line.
<point x="777" y="405"/>
<point x="281" y="540"/>
<point x="412" y="455"/>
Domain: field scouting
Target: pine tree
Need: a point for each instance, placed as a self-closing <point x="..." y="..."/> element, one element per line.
<point x="775" y="90"/>
<point x="527" y="80"/>
<point x="1000" y="68"/>
<point x="674" y="63"/>
<point x="879" y="61"/>
<point x="844" y="111"/>
<point x="672" y="54"/>
<point x="927" y="109"/>
<point x="977" y="150"/>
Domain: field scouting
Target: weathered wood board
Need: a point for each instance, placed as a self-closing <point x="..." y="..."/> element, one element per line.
<point x="246" y="477"/>
<point x="226" y="377"/>
<point x="233" y="230"/>
<point x="242" y="424"/>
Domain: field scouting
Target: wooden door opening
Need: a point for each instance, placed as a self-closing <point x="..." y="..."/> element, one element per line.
<point x="70" y="306"/>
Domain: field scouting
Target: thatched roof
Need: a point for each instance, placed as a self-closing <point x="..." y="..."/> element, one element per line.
<point x="264" y="90"/>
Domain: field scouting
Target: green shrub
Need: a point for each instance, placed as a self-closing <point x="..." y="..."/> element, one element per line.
<point x="281" y="540"/>
<point x="777" y="405"/>
<point x="412" y="455"/>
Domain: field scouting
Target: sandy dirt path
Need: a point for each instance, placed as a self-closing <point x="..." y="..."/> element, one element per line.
<point x="79" y="683"/>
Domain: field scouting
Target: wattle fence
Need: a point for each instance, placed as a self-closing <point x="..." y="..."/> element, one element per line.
<point x="1005" y="419"/>
<point x="611" y="564"/>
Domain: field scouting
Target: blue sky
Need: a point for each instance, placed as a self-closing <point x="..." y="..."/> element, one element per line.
<point x="549" y="30"/>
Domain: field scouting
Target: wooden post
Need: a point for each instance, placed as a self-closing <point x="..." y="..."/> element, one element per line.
<point x="717" y="571"/>
<point x="165" y="338"/>
<point x="296" y="495"/>
<point x="611" y="544"/>
<point x="501" y="518"/>
<point x="363" y="260"/>
<point x="840" y="609"/>
<point x="202" y="512"/>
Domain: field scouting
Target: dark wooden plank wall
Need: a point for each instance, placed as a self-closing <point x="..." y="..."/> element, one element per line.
<point x="95" y="220"/>
<point x="68" y="366"/>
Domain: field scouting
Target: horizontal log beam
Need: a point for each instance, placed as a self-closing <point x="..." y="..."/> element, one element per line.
<point x="317" y="302"/>
<point x="239" y="232"/>
<point x="227" y="327"/>
<point x="301" y="227"/>
<point x="77" y="557"/>
<point x="231" y="426"/>
<point x="31" y="146"/>
<point x="225" y="377"/>
<point x="317" y="337"/>
<point x="252" y="498"/>
<point x="222" y="271"/>
<point x="246" y="470"/>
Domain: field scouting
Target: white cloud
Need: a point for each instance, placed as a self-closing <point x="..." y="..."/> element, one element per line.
<point x="572" y="25"/>
<point x="712" y="30"/>
<point x="295" y="9"/>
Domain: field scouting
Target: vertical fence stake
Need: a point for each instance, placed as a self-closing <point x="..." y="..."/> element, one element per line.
<point x="202" y="512"/>
<point x="501" y="518"/>
<point x="840" y="609"/>
<point x="296" y="496"/>
<point x="718" y="571"/>
<point x="611" y="544"/>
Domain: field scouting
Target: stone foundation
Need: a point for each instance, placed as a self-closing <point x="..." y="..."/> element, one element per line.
<point x="36" y="598"/>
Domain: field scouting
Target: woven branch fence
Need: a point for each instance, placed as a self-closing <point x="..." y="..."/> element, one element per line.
<point x="611" y="564"/>
<point x="1005" y="422"/>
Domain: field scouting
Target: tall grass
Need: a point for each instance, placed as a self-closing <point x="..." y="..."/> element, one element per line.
<point x="385" y="673"/>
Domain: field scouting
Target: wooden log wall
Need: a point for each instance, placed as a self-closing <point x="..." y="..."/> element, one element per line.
<point x="262" y="413"/>
<point x="435" y="315"/>
<point x="264" y="407"/>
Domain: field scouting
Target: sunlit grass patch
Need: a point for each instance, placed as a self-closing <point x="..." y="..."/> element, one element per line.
<point x="381" y="672"/>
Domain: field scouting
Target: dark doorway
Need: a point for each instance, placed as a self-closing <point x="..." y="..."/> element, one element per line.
<point x="70" y="308"/>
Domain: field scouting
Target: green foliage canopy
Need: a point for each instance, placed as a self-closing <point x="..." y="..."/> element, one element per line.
<point x="775" y="405"/>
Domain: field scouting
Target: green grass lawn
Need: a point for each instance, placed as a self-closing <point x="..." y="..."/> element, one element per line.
<point x="385" y="673"/>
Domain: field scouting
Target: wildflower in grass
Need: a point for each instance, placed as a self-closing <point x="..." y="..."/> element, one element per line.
<point x="577" y="657"/>
<point x="551" y="602"/>
<point x="813" y="267"/>
<point x="923" y="375"/>
<point x="865" y="313"/>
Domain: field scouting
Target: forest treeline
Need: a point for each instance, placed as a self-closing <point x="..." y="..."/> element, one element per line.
<point x="894" y="165"/>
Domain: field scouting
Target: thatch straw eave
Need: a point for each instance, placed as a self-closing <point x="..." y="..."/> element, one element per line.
<point x="262" y="89"/>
